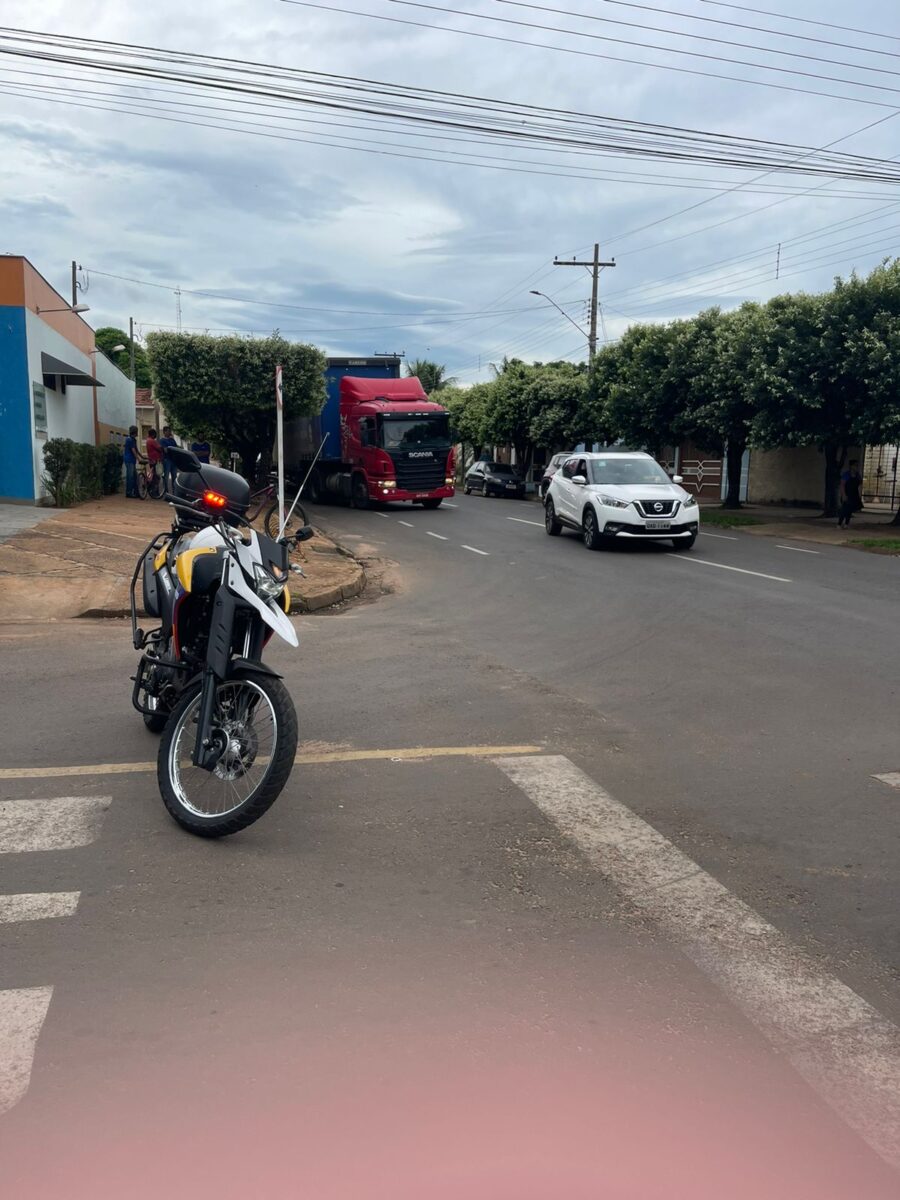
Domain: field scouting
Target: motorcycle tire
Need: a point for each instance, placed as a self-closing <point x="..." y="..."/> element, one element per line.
<point x="262" y="795"/>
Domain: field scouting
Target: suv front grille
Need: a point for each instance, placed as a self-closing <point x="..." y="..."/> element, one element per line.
<point x="655" y="508"/>
<point x="420" y="474"/>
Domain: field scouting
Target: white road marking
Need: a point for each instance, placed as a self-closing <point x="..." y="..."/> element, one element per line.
<point x="522" y="521"/>
<point x="722" y="536"/>
<point x="842" y="1046"/>
<point x="381" y="514"/>
<point x="475" y="550"/>
<point x="797" y="549"/>
<point x="22" y="1013"/>
<point x="36" y="906"/>
<point x="705" y="562"/>
<point x="58" y="824"/>
<point x="892" y="779"/>
<point x="408" y="524"/>
<point x="447" y="504"/>
<point x="439" y="536"/>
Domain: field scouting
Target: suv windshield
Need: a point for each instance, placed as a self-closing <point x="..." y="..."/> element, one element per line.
<point x="500" y="469"/>
<point x="400" y="434"/>
<point x="627" y="470"/>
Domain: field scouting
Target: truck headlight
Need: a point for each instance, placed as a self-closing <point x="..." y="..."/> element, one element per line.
<point x="266" y="585"/>
<point x="614" y="501"/>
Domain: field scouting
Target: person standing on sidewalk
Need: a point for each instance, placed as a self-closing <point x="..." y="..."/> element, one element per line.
<point x="850" y="494"/>
<point x="168" y="467"/>
<point x="131" y="455"/>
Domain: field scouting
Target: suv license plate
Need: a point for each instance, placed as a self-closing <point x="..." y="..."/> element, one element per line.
<point x="511" y="487"/>
<point x="658" y="525"/>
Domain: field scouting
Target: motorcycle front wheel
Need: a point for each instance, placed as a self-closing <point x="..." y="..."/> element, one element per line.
<point x="257" y="717"/>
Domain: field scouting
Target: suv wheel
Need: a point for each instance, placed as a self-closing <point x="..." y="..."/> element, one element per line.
<point x="683" y="543"/>
<point x="551" y="524"/>
<point x="589" y="531"/>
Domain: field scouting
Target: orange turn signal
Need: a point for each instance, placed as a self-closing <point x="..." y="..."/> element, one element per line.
<point x="214" y="500"/>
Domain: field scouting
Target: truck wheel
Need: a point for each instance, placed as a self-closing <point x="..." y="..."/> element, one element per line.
<point x="432" y="503"/>
<point x="359" y="492"/>
<point x="314" y="488"/>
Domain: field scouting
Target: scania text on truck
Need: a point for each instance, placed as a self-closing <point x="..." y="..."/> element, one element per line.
<point x="384" y="439"/>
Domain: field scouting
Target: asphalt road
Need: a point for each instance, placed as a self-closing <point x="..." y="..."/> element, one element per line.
<point x="479" y="973"/>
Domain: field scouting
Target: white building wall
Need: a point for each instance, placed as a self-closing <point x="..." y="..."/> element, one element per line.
<point x="115" y="400"/>
<point x="70" y="415"/>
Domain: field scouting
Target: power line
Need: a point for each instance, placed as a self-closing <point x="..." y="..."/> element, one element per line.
<point x="802" y="20"/>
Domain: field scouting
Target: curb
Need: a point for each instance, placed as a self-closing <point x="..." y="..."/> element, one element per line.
<point x="327" y="597"/>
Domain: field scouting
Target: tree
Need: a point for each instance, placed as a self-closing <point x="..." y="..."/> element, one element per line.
<point x="432" y="376"/>
<point x="109" y="336"/>
<point x="646" y="394"/>
<point x="467" y="416"/>
<point x="223" y="388"/>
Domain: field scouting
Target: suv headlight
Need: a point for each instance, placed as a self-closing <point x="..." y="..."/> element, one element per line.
<point x="689" y="501"/>
<point x="613" y="501"/>
<point x="267" y="586"/>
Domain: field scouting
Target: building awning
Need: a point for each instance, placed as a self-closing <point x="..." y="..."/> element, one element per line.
<point x="74" y="376"/>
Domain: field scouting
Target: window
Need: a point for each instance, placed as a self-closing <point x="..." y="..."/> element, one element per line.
<point x="496" y="468"/>
<point x="568" y="469"/>
<point x="627" y="470"/>
<point x="581" y="469"/>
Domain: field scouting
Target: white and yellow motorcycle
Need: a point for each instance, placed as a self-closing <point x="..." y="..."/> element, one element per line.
<point x="220" y="590"/>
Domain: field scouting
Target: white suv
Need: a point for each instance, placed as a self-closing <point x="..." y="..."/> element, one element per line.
<point x="615" y="494"/>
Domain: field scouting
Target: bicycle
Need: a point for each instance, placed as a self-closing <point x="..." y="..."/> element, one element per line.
<point x="149" y="482"/>
<point x="265" y="501"/>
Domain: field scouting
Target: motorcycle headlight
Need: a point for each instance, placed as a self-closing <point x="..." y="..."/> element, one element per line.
<point x="689" y="501"/>
<point x="614" y="501"/>
<point x="267" y="586"/>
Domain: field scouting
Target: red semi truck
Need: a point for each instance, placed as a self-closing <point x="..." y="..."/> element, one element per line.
<point x="384" y="439"/>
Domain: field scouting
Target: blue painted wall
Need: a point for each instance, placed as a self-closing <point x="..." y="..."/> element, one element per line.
<point x="16" y="469"/>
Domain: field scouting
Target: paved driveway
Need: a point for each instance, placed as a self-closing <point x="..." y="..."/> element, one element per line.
<point x="16" y="517"/>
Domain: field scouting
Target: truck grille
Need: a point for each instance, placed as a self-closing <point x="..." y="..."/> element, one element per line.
<point x="420" y="474"/>
<point x="650" y="510"/>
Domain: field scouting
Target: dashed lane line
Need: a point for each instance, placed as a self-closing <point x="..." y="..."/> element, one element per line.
<point x="381" y="514"/>
<point x="447" y="504"/>
<point x="797" y="549"/>
<point x="838" y="1042"/>
<point x="475" y="550"/>
<point x="22" y="1013"/>
<point x="724" y="537"/>
<point x="61" y="823"/>
<point x="440" y="537"/>
<point x="522" y="521"/>
<point x="705" y="562"/>
<point x="408" y="524"/>
<point x="37" y="906"/>
<point x="402" y="754"/>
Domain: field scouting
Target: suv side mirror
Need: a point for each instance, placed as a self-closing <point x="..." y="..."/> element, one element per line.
<point x="579" y="479"/>
<point x="678" y="479"/>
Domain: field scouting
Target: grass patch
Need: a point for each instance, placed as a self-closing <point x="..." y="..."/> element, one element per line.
<point x="877" y="545"/>
<point x="722" y="519"/>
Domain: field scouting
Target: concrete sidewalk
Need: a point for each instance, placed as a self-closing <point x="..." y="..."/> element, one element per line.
<point x="79" y="562"/>
<point x="805" y="524"/>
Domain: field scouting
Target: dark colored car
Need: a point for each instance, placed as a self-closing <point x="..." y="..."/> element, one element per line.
<point x="494" y="479"/>
<point x="550" y="470"/>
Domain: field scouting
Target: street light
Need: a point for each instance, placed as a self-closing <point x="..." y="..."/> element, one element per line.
<point x="70" y="308"/>
<point x="113" y="349"/>
<point x="564" y="313"/>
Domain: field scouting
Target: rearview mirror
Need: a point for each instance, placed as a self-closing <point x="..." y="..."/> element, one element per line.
<point x="184" y="460"/>
<point x="579" y="479"/>
<point x="678" y="479"/>
<point x="305" y="534"/>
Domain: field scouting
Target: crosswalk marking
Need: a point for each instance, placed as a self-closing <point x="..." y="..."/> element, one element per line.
<point x="22" y="1013"/>
<point x="36" y="906"/>
<point x="58" y="824"/>
<point x="838" y="1042"/>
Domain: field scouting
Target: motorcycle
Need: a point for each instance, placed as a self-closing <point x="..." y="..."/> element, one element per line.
<point x="219" y="589"/>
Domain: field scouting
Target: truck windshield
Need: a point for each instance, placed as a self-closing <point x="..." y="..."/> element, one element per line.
<point x="405" y="434"/>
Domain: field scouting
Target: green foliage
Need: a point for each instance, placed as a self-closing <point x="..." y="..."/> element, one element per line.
<point x="726" y="520"/>
<point x="77" y="471"/>
<point x="223" y="388"/>
<point x="432" y="376"/>
<point x="109" y="336"/>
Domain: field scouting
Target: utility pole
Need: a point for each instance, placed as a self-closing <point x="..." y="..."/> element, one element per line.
<point x="131" y="345"/>
<point x="594" y="267"/>
<point x="74" y="283"/>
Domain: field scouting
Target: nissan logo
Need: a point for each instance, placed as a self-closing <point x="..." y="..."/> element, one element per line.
<point x="657" y="507"/>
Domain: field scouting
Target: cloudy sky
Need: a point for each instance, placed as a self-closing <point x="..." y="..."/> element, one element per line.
<point x="416" y="247"/>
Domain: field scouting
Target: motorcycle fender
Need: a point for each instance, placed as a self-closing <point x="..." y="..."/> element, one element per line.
<point x="274" y="617"/>
<point x="243" y="666"/>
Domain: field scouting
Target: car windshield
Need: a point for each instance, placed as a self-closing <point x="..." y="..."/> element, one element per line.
<point x="500" y="469"/>
<point x="399" y="434"/>
<point x="627" y="470"/>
